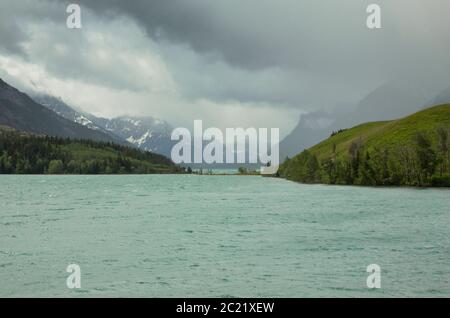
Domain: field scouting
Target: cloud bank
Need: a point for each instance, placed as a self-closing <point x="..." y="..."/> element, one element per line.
<point x="231" y="63"/>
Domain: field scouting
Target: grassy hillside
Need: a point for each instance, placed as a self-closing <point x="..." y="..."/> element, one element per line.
<point x="25" y="153"/>
<point x="409" y="151"/>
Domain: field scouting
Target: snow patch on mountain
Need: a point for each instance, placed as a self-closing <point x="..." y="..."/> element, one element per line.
<point x="146" y="133"/>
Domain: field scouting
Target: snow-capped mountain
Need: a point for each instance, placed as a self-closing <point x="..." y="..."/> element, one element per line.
<point x="62" y="109"/>
<point x="146" y="133"/>
<point x="19" y="111"/>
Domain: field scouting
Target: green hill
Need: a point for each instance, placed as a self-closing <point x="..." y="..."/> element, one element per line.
<point x="25" y="153"/>
<point x="410" y="151"/>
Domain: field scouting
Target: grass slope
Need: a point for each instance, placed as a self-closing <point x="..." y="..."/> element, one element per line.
<point x="409" y="151"/>
<point x="386" y="134"/>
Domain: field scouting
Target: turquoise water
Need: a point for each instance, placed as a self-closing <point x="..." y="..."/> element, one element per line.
<point x="208" y="236"/>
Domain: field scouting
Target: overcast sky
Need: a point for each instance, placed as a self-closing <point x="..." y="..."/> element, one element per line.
<point x="229" y="62"/>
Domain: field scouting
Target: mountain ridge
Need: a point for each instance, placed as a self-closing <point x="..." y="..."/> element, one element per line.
<point x="390" y="100"/>
<point x="145" y="133"/>
<point x="21" y="112"/>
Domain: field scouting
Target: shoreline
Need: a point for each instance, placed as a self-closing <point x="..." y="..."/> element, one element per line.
<point x="366" y="186"/>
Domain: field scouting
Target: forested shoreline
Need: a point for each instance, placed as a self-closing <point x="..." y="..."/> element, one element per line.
<point x="420" y="162"/>
<point x="410" y="151"/>
<point x="23" y="153"/>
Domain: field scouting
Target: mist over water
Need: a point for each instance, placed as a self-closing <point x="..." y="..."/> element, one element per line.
<point x="219" y="236"/>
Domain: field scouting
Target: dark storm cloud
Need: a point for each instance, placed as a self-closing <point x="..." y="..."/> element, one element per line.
<point x="324" y="41"/>
<point x="196" y="23"/>
<point x="15" y="14"/>
<point x="285" y="53"/>
<point x="250" y="34"/>
<point x="12" y="37"/>
<point x="256" y="34"/>
<point x="36" y="32"/>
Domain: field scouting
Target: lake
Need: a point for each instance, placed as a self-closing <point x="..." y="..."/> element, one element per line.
<point x="219" y="236"/>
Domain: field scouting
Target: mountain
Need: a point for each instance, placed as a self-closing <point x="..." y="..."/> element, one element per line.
<point x="25" y="153"/>
<point x="146" y="133"/>
<point x="19" y="111"/>
<point x="58" y="106"/>
<point x="388" y="101"/>
<point x="311" y="128"/>
<point x="442" y="98"/>
<point x="413" y="150"/>
<point x="392" y="100"/>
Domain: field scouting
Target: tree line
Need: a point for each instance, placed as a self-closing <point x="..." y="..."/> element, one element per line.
<point x="418" y="163"/>
<point x="22" y="153"/>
